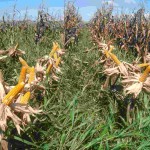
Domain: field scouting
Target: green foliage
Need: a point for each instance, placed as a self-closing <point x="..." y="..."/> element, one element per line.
<point x="77" y="114"/>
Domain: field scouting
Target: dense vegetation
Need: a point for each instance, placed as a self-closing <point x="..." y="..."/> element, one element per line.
<point x="77" y="112"/>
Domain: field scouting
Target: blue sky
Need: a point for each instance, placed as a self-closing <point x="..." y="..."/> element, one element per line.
<point x="86" y="7"/>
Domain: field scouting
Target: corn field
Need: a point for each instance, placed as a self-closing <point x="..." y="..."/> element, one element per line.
<point x="70" y="85"/>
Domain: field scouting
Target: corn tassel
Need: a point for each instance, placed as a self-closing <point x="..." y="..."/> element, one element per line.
<point x="22" y="76"/>
<point x="7" y="100"/>
<point x="114" y="58"/>
<point x="31" y="75"/>
<point x="23" y="62"/>
<point x="58" y="61"/>
<point x="25" y="98"/>
<point x="145" y="74"/>
<point x="49" y="68"/>
<point x="143" y="65"/>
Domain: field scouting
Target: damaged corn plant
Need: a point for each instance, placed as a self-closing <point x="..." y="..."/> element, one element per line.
<point x="14" y="104"/>
<point x="129" y="32"/>
<point x="128" y="80"/>
<point x="129" y="35"/>
<point x="72" y="22"/>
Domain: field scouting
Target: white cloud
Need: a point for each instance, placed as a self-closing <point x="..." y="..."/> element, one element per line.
<point x="86" y="3"/>
<point x="130" y="1"/>
<point x="110" y="2"/>
<point x="147" y="15"/>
